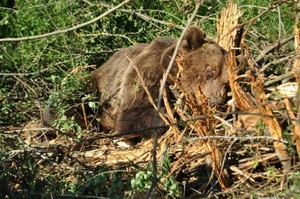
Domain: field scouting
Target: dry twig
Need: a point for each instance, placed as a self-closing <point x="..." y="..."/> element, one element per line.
<point x="67" y="29"/>
<point x="164" y="81"/>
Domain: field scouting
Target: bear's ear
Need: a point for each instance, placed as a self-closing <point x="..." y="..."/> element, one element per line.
<point x="195" y="38"/>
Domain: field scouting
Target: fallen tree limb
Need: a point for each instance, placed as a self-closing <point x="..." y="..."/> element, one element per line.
<point x="276" y="61"/>
<point x="279" y="78"/>
<point x="275" y="45"/>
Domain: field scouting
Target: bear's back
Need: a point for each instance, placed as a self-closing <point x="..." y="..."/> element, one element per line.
<point x="119" y="85"/>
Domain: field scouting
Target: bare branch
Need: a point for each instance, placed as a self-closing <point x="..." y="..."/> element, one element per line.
<point x="279" y="78"/>
<point x="277" y="61"/>
<point x="267" y="138"/>
<point x="163" y="84"/>
<point x="147" y="18"/>
<point x="275" y="45"/>
<point x="68" y="29"/>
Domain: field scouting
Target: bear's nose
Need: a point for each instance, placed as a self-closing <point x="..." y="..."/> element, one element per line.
<point x="220" y="96"/>
<point x="223" y="94"/>
<point x="215" y="101"/>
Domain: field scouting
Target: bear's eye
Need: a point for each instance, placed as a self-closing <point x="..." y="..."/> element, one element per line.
<point x="209" y="75"/>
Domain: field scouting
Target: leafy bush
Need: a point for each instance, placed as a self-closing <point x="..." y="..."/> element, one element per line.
<point x="143" y="180"/>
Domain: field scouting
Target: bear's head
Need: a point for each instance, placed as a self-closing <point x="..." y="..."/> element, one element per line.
<point x="203" y="66"/>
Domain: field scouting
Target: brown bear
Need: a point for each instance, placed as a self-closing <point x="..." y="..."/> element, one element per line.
<point x="126" y="107"/>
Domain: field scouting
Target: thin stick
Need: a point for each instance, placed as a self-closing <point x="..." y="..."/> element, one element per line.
<point x="221" y="137"/>
<point x="272" y="47"/>
<point x="84" y="115"/>
<point x="150" y="98"/>
<point x="163" y="84"/>
<point x="279" y="78"/>
<point x="68" y="29"/>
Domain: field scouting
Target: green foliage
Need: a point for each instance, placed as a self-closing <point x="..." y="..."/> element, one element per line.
<point x="293" y="190"/>
<point x="18" y="169"/>
<point x="101" y="182"/>
<point x="23" y="177"/>
<point x="143" y="180"/>
<point x="70" y="93"/>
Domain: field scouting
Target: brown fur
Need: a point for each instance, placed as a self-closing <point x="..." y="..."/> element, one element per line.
<point x="127" y="107"/>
